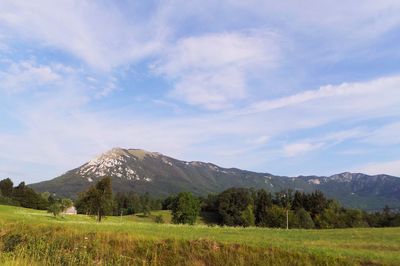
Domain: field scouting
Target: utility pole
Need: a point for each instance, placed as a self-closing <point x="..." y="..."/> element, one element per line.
<point x="287" y="219"/>
<point x="287" y="208"/>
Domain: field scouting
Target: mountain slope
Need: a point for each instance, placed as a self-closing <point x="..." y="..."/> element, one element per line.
<point x="142" y="171"/>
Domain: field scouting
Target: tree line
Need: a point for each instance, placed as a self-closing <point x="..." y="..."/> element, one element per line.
<point x="250" y="207"/>
<point x="24" y="196"/>
<point x="232" y="207"/>
<point x="99" y="201"/>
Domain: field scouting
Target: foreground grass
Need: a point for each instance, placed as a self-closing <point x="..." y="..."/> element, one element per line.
<point x="133" y="240"/>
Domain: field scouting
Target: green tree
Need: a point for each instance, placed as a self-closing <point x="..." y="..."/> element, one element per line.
<point x="210" y="204"/>
<point x="168" y="201"/>
<point x="97" y="200"/>
<point x="386" y="217"/>
<point x="185" y="208"/>
<point x="45" y="195"/>
<point x="330" y="217"/>
<point x="317" y="203"/>
<point x="55" y="209"/>
<point x="145" y="203"/>
<point x="121" y="204"/>
<point x="59" y="206"/>
<point x="6" y="187"/>
<point x="134" y="205"/>
<point x="353" y="218"/>
<point x="304" y="219"/>
<point x="284" y="198"/>
<point x="276" y="217"/>
<point x="233" y="206"/>
<point x="298" y="201"/>
<point x="248" y="216"/>
<point x="262" y="203"/>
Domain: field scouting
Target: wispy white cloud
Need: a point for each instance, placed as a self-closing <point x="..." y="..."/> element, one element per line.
<point x="215" y="51"/>
<point x="325" y="141"/>
<point x="18" y="77"/>
<point x="322" y="31"/>
<point x="95" y="32"/>
<point x="375" y="168"/>
<point x="366" y="20"/>
<point x="261" y="140"/>
<point x="23" y="75"/>
<point x="385" y="135"/>
<point x="3" y="45"/>
<point x="296" y="149"/>
<point x="365" y="91"/>
<point x="212" y="70"/>
<point x="212" y="91"/>
<point x="344" y="135"/>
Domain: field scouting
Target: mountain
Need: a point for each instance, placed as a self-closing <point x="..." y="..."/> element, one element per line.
<point x="142" y="171"/>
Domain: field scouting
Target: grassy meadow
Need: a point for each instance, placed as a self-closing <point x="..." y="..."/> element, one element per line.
<point x="30" y="237"/>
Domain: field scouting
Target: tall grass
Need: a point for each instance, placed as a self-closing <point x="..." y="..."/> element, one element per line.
<point x="54" y="245"/>
<point x="28" y="237"/>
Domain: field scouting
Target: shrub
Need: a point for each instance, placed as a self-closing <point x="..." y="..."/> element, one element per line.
<point x="159" y="219"/>
<point x="55" y="209"/>
<point x="304" y="219"/>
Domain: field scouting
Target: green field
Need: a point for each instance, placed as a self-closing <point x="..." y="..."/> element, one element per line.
<point x="29" y="236"/>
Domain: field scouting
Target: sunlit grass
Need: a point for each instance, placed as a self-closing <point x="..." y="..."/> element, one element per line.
<point x="372" y="245"/>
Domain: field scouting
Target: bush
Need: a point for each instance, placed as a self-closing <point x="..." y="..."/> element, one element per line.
<point x="304" y="219"/>
<point x="55" y="209"/>
<point x="276" y="217"/>
<point x="159" y="219"/>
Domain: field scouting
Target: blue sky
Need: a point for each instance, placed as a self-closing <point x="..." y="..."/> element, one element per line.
<point x="286" y="88"/>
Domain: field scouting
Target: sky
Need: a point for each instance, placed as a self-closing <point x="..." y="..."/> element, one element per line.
<point x="289" y="88"/>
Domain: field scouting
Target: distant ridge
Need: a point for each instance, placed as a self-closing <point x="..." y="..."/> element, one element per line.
<point x="143" y="171"/>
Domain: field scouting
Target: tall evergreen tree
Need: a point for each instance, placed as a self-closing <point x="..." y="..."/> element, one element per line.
<point x="298" y="200"/>
<point x="262" y="203"/>
<point x="317" y="203"/>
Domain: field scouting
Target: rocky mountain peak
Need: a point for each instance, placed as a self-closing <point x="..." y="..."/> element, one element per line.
<point x="116" y="162"/>
<point x="342" y="177"/>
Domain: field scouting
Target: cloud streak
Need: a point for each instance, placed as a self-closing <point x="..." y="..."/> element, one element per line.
<point x="212" y="71"/>
<point x="25" y="75"/>
<point x="96" y="32"/>
<point x="376" y="168"/>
